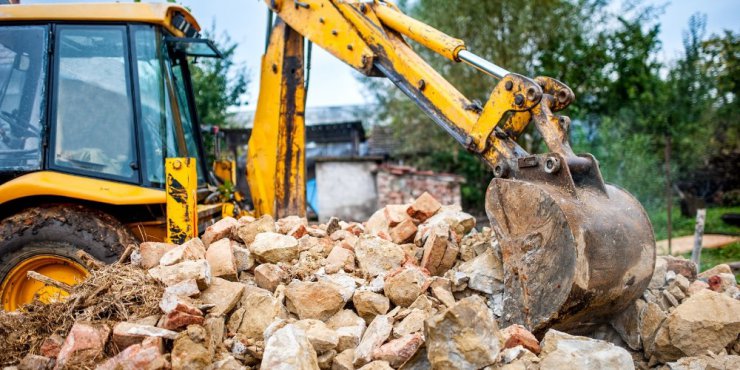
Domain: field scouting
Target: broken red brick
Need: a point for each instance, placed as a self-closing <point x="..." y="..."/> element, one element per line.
<point x="51" y="345"/>
<point x="84" y="342"/>
<point x="403" y="231"/>
<point x="424" y="206"/>
<point x="517" y="335"/>
<point x="224" y="228"/>
<point x="396" y="213"/>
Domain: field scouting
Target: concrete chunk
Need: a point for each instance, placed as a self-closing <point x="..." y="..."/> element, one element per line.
<point x="152" y="252"/>
<point x="404" y="286"/>
<point x="463" y="336"/>
<point x="289" y="349"/>
<point x="377" y="332"/>
<point x="314" y="300"/>
<point x="369" y="304"/>
<point x="127" y="333"/>
<point x="192" y="250"/>
<point x="248" y="231"/>
<point x="223" y="294"/>
<point x="269" y="276"/>
<point x="272" y="247"/>
<point x="200" y="271"/>
<point x="376" y="256"/>
<point x="322" y="337"/>
<point x="261" y="310"/>
<point x="220" y="256"/>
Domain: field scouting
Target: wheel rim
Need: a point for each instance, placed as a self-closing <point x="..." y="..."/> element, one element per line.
<point x="17" y="289"/>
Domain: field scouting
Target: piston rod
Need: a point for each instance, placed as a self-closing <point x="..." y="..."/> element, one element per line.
<point x="482" y="64"/>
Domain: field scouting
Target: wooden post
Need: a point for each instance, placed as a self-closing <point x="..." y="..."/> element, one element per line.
<point x="701" y="214"/>
<point x="668" y="194"/>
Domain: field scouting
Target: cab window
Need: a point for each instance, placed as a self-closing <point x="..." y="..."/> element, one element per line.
<point x="188" y="124"/>
<point x="23" y="66"/>
<point x="156" y="123"/>
<point x="93" y="110"/>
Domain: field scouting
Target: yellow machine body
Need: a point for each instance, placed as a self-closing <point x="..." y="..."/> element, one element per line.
<point x="45" y="187"/>
<point x="150" y="13"/>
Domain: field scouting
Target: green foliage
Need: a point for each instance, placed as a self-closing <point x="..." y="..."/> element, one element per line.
<point x="721" y="64"/>
<point x="218" y="83"/>
<point x="715" y="256"/>
<point x="682" y="226"/>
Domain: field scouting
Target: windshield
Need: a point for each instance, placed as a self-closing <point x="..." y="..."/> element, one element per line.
<point x="22" y="96"/>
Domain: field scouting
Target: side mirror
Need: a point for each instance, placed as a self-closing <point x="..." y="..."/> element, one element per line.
<point x="194" y="47"/>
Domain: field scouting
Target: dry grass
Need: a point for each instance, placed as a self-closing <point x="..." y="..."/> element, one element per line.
<point x="117" y="292"/>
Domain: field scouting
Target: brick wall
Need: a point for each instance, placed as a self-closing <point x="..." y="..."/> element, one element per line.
<point x="402" y="184"/>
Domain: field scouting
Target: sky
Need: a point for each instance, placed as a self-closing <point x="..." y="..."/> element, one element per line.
<point x="333" y="83"/>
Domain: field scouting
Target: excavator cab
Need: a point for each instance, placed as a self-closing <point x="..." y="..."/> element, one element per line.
<point x="93" y="99"/>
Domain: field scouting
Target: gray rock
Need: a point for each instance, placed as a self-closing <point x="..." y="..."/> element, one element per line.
<point x="463" y="336"/>
<point x="377" y="256"/>
<point x="627" y="324"/>
<point x="289" y="349"/>
<point x="322" y="338"/>
<point x="377" y="332"/>
<point x="564" y="351"/>
<point x="706" y="321"/>
<point x="273" y="247"/>
<point x="485" y="273"/>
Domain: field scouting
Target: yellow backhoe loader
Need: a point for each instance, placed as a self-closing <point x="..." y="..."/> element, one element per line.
<point x="89" y="174"/>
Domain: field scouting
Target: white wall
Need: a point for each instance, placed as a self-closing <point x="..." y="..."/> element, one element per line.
<point x="346" y="189"/>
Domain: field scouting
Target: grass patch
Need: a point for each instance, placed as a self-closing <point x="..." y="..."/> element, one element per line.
<point x="683" y="226"/>
<point x="715" y="256"/>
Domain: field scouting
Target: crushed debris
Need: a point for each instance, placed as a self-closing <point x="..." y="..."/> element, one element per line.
<point x="415" y="287"/>
<point x="118" y="292"/>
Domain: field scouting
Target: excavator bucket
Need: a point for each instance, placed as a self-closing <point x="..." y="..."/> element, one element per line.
<point x="574" y="250"/>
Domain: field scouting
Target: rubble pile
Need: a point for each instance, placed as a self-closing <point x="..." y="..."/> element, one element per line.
<point x="415" y="287"/>
<point x="686" y="320"/>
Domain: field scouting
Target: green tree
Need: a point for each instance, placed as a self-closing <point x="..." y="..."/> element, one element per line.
<point x="721" y="63"/>
<point x="218" y="83"/>
<point x="627" y="112"/>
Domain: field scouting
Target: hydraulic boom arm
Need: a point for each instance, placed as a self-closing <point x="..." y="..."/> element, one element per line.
<point x="575" y="250"/>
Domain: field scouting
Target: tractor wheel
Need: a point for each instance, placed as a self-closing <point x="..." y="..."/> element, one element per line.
<point x="46" y="239"/>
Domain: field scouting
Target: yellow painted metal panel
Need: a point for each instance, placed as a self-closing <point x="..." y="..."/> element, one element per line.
<point x="182" y="186"/>
<point x="262" y="148"/>
<point x="160" y="14"/>
<point x="225" y="170"/>
<point x="51" y="183"/>
<point x="276" y="151"/>
<point x="320" y="22"/>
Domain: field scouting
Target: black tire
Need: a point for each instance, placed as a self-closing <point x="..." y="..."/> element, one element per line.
<point x="62" y="230"/>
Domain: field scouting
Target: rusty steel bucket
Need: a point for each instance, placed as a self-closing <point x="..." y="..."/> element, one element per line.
<point x="575" y="250"/>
